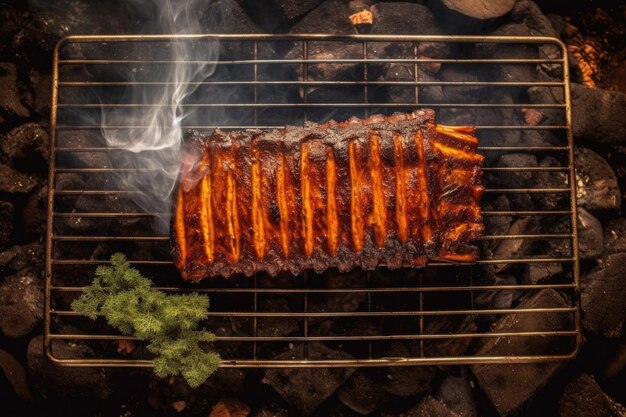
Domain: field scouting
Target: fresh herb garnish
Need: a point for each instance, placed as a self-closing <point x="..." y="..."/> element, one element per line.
<point x="169" y="323"/>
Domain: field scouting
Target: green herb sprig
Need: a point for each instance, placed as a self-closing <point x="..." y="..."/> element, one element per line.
<point x="169" y="323"/>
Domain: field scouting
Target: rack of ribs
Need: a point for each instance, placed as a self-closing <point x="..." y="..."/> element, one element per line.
<point x="392" y="191"/>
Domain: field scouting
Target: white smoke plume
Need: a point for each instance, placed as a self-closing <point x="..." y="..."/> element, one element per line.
<point x="156" y="135"/>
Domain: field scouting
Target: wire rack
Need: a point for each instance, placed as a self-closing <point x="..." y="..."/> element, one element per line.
<point x="441" y="314"/>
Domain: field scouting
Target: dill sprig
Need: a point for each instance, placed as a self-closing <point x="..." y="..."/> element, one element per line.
<point x="169" y="323"/>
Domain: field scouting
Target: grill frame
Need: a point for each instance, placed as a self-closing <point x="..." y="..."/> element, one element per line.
<point x="575" y="332"/>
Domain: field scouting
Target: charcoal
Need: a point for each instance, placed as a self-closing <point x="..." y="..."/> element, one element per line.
<point x="339" y="301"/>
<point x="11" y="20"/>
<point x="597" y="187"/>
<point x="278" y="14"/>
<point x="34" y="212"/>
<point x="597" y="114"/>
<point x="548" y="95"/>
<point x="550" y="201"/>
<point x="602" y="296"/>
<point x="519" y="178"/>
<point x="540" y="138"/>
<point x="61" y="382"/>
<point x="359" y="326"/>
<point x="231" y="380"/>
<point x="495" y="225"/>
<point x="82" y="139"/>
<point x="501" y="298"/>
<point x="81" y="16"/>
<point x="404" y="18"/>
<point x="406" y="94"/>
<point x="273" y="326"/>
<point x="590" y="239"/>
<point x="538" y="273"/>
<point x="26" y="147"/>
<point x="444" y="324"/>
<point x="362" y="393"/>
<point x="522" y="201"/>
<point x="614" y="234"/>
<point x="405" y="381"/>
<point x="12" y="181"/>
<point x="41" y="84"/>
<point x="583" y="397"/>
<point x="516" y="248"/>
<point x="15" y="375"/>
<point x="528" y="12"/>
<point x="11" y="106"/>
<point x="329" y="17"/>
<point x="21" y="298"/>
<point x="224" y="327"/>
<point x="465" y="73"/>
<point x="510" y="72"/>
<point x="510" y="386"/>
<point x="6" y="223"/>
<point x="47" y="22"/>
<point x="227" y="16"/>
<point x="456" y="393"/>
<point x="20" y="257"/>
<point x="459" y="117"/>
<point x="617" y="362"/>
<point x="556" y="247"/>
<point x="430" y="407"/>
<point x="303" y="388"/>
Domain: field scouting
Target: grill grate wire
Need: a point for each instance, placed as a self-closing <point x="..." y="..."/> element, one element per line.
<point x="250" y="344"/>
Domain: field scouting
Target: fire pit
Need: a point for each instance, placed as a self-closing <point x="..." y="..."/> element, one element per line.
<point x="442" y="314"/>
<point x="91" y="155"/>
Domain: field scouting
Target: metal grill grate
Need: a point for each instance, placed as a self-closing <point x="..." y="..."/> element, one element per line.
<point x="442" y="314"/>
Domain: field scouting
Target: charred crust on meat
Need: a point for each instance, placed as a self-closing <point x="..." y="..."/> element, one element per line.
<point x="393" y="190"/>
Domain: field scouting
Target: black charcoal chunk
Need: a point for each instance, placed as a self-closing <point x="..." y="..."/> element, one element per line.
<point x="61" y="382"/>
<point x="614" y="235"/>
<point x="583" y="397"/>
<point x="590" y="238"/>
<point x="278" y="15"/>
<point x="306" y="389"/>
<point x="11" y="105"/>
<point x="12" y="181"/>
<point x="6" y="223"/>
<point x="538" y="273"/>
<point x="596" y="183"/>
<point x="362" y="393"/>
<point x="510" y="386"/>
<point x="456" y="393"/>
<point x="22" y="257"/>
<point x="598" y="115"/>
<point x="26" y="147"/>
<point x="21" y="301"/>
<point x="602" y="296"/>
<point x="430" y="407"/>
<point x="405" y="381"/>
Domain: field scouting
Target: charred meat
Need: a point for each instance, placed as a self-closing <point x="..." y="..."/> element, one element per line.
<point x="394" y="191"/>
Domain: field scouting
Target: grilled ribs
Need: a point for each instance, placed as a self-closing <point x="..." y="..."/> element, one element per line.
<point x="392" y="191"/>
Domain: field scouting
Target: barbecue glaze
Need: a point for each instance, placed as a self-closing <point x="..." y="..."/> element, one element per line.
<point x="394" y="191"/>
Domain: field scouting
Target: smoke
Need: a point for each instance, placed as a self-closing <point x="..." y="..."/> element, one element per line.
<point x="155" y="129"/>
